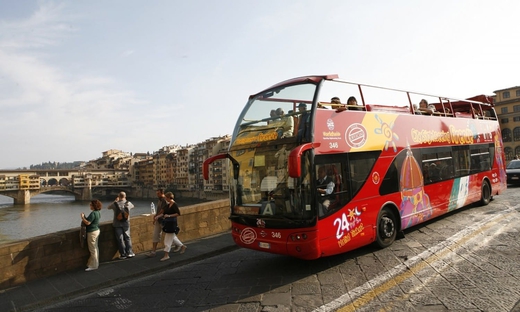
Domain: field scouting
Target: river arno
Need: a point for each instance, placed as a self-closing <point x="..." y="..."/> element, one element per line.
<point x="52" y="213"/>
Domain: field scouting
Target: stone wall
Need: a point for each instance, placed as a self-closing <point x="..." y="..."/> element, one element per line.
<point x="46" y="255"/>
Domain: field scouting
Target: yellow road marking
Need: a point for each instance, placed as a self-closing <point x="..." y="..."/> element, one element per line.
<point x="386" y="286"/>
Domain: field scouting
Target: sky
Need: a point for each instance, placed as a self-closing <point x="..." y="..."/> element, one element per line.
<point x="78" y="78"/>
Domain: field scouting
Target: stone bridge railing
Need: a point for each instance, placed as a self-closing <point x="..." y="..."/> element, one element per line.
<point x="50" y="254"/>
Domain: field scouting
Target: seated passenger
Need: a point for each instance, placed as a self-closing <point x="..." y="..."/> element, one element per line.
<point x="287" y="124"/>
<point x="273" y="116"/>
<point x="351" y="102"/>
<point x="425" y="108"/>
<point x="303" y="122"/>
<point x="351" y="105"/>
<point x="336" y="103"/>
<point x="416" y="109"/>
<point x="476" y="113"/>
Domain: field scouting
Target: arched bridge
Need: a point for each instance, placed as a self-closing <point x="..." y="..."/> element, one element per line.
<point x="84" y="185"/>
<point x="80" y="194"/>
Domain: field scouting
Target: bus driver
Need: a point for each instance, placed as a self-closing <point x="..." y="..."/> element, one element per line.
<point x="325" y="187"/>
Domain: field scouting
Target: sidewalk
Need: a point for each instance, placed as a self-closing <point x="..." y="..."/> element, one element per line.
<point x="39" y="293"/>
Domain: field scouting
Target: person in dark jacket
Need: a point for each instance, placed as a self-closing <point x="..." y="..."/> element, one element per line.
<point x="170" y="214"/>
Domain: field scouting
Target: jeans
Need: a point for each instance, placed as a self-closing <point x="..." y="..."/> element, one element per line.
<point x="124" y="242"/>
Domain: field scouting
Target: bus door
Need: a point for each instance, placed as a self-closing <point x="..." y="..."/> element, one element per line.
<point x="330" y="190"/>
<point x="337" y="180"/>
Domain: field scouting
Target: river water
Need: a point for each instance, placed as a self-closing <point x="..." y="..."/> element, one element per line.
<point x="49" y="213"/>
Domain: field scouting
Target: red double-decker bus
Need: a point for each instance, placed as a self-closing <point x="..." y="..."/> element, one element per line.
<point x="313" y="175"/>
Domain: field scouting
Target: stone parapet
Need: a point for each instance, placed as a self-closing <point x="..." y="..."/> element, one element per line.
<point x="46" y="255"/>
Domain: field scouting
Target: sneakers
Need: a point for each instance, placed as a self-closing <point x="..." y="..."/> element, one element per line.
<point x="183" y="249"/>
<point x="151" y="254"/>
<point x="177" y="249"/>
<point x="122" y="257"/>
<point x="166" y="257"/>
<point x="90" y="269"/>
<point x="131" y="255"/>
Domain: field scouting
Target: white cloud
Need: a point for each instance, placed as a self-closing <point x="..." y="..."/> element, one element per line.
<point x="45" y="27"/>
<point x="127" y="53"/>
<point x="50" y="107"/>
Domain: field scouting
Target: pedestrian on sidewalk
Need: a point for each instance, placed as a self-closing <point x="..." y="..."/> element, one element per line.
<point x="92" y="223"/>
<point x="122" y="226"/>
<point x="157" y="223"/>
<point x="170" y="214"/>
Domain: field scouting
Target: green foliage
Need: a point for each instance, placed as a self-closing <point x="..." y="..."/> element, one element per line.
<point x="56" y="165"/>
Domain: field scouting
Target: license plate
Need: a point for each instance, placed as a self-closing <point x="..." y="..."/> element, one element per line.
<point x="264" y="245"/>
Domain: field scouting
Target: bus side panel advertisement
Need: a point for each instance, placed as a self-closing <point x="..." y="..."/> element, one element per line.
<point x="346" y="230"/>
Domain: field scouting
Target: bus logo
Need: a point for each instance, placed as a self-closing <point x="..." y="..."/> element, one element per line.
<point x="356" y="135"/>
<point x="330" y="124"/>
<point x="248" y="236"/>
<point x="376" y="178"/>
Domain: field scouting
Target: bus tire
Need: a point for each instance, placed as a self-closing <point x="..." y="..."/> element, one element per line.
<point x="386" y="231"/>
<point x="486" y="193"/>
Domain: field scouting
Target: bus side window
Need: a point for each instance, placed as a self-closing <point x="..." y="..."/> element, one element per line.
<point x="360" y="165"/>
<point x="390" y="182"/>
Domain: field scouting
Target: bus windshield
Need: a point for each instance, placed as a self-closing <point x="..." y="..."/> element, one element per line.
<point x="264" y="187"/>
<point x="274" y="114"/>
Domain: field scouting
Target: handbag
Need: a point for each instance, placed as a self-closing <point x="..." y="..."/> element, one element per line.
<point x="169" y="225"/>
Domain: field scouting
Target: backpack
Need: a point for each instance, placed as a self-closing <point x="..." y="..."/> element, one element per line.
<point x="123" y="213"/>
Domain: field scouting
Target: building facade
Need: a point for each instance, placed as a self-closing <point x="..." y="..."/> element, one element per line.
<point x="507" y="106"/>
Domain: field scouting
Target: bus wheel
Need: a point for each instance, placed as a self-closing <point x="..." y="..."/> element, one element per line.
<point x="486" y="193"/>
<point x="386" y="228"/>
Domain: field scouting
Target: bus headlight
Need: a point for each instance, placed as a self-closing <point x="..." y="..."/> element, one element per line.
<point x="298" y="237"/>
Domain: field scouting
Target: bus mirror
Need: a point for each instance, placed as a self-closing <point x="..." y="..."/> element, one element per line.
<point x="208" y="161"/>
<point x="294" y="162"/>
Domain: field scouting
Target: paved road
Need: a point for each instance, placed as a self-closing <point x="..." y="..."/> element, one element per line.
<point x="466" y="261"/>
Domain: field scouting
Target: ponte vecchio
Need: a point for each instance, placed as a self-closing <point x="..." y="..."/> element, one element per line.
<point x="83" y="184"/>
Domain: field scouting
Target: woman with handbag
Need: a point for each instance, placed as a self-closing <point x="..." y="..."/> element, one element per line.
<point x="92" y="223"/>
<point x="170" y="228"/>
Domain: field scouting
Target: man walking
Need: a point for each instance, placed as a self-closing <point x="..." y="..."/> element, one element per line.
<point x="122" y="226"/>
<point x="157" y="224"/>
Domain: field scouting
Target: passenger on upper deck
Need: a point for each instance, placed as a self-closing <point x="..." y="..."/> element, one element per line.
<point x="476" y="113"/>
<point x="287" y="125"/>
<point x="273" y="116"/>
<point x="425" y="108"/>
<point x="335" y="103"/>
<point x="303" y="122"/>
<point x="351" y="105"/>
<point x="353" y="102"/>
<point x="416" y="109"/>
